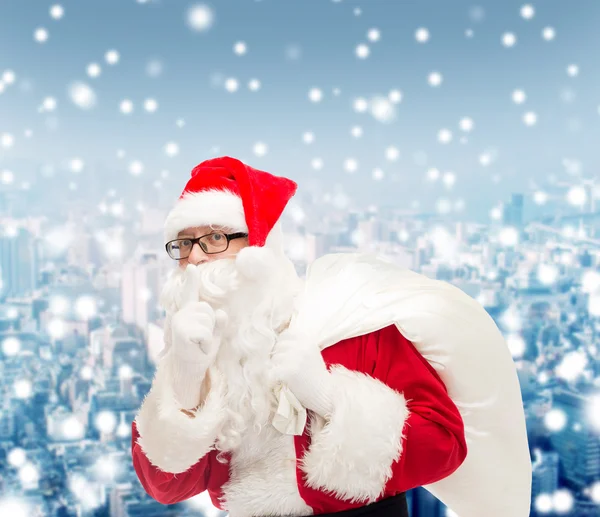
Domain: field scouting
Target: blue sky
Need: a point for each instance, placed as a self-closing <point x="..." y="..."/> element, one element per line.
<point x="479" y="75"/>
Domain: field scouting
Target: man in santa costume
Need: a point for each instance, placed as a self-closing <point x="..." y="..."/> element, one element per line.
<point x="282" y="396"/>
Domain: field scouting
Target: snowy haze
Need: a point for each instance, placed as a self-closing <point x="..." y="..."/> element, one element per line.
<point x="365" y="96"/>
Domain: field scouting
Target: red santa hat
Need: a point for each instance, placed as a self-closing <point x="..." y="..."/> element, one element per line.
<point x="226" y="192"/>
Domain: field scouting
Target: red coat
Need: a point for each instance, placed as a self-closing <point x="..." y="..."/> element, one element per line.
<point x="431" y="441"/>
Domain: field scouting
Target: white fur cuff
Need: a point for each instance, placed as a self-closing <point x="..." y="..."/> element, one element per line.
<point x="171" y="440"/>
<point x="351" y="454"/>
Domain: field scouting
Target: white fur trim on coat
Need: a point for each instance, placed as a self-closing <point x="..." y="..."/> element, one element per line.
<point x="171" y="440"/>
<point x="352" y="451"/>
<point x="218" y="207"/>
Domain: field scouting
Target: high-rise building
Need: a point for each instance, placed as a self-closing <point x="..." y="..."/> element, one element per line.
<point x="317" y="245"/>
<point x="20" y="257"/>
<point x="578" y="444"/>
<point x="513" y="211"/>
<point x="545" y="474"/>
<point x="140" y="289"/>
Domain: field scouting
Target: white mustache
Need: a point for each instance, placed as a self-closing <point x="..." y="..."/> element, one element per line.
<point x="218" y="279"/>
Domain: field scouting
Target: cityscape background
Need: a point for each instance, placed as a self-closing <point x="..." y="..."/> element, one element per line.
<point x="457" y="139"/>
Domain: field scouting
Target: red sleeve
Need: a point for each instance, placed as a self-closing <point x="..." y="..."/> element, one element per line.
<point x="164" y="487"/>
<point x="434" y="439"/>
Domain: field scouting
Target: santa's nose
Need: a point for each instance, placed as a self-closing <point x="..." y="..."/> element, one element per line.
<point x="197" y="255"/>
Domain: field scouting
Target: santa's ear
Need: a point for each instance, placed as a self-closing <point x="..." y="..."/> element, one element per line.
<point x="256" y="262"/>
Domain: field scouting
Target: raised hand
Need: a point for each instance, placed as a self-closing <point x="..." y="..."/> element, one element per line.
<point x="193" y="326"/>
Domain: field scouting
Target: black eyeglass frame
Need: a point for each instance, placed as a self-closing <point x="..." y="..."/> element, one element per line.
<point x="228" y="236"/>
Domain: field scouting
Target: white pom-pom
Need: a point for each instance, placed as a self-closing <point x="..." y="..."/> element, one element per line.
<point x="256" y="263"/>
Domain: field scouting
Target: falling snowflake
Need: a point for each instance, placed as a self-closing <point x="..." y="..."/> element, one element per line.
<point x="40" y="35"/>
<point x="540" y="197"/>
<point x="543" y="503"/>
<point x="516" y="345"/>
<point x="466" y="124"/>
<point x="7" y="140"/>
<point x="548" y="33"/>
<point x="555" y="420"/>
<point x="94" y="70"/>
<point x="360" y="105"/>
<point x="200" y="17"/>
<point x="392" y="153"/>
<point x="82" y="95"/>
<point x="374" y="35"/>
<point x="316" y="163"/>
<point x="563" y="501"/>
<point x="240" y="48"/>
<point x="435" y="79"/>
<point x="362" y="51"/>
<point x="8" y="77"/>
<point x="377" y="174"/>
<point x="509" y="236"/>
<point x="356" y="131"/>
<point x="422" y="35"/>
<point x="57" y="12"/>
<point x="433" y="174"/>
<point x="577" y="196"/>
<point x="595" y="492"/>
<point x="7" y="177"/>
<point x="150" y="105"/>
<point x="445" y="136"/>
<point x="136" y="167"/>
<point x="395" y="96"/>
<point x="518" y="96"/>
<point x="350" y="165"/>
<point x="509" y="39"/>
<point x="573" y="70"/>
<point x="112" y="57"/>
<point x="383" y="109"/>
<point x="126" y="107"/>
<point x="547" y="274"/>
<point x="171" y="149"/>
<point x="49" y="104"/>
<point x="572" y="365"/>
<point x="76" y="165"/>
<point x="527" y="12"/>
<point x="308" y="137"/>
<point x="231" y="84"/>
<point x="449" y="179"/>
<point x="315" y="95"/>
<point x="254" y="85"/>
<point x="106" y="421"/>
<point x="260" y="149"/>
<point x="530" y="118"/>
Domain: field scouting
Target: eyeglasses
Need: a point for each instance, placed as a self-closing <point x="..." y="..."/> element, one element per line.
<point x="215" y="242"/>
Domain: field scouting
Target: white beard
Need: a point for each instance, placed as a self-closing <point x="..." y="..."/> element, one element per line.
<point x="257" y="310"/>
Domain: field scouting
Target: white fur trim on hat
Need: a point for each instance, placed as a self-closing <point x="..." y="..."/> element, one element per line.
<point x="209" y="207"/>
